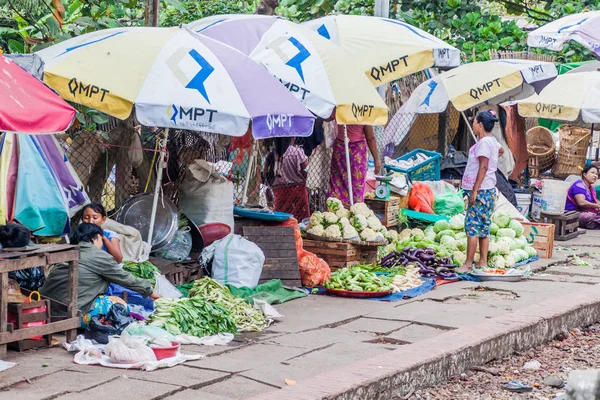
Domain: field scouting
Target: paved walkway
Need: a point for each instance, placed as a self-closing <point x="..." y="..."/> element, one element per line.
<point x="318" y="334"/>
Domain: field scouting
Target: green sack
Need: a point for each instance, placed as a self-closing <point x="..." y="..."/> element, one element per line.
<point x="449" y="204"/>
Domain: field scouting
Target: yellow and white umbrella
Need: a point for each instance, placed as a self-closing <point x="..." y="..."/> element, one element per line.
<point x="569" y="98"/>
<point x="385" y="49"/>
<point x="315" y="70"/>
<point x="474" y="84"/>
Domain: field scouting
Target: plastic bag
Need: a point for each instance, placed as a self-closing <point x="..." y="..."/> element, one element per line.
<point x="165" y="288"/>
<point x="313" y="270"/>
<point x="128" y="350"/>
<point x="237" y="262"/>
<point x="179" y="248"/>
<point x="30" y="278"/>
<point x="421" y="198"/>
<point x="449" y="204"/>
<point x="101" y="326"/>
<point x="152" y="333"/>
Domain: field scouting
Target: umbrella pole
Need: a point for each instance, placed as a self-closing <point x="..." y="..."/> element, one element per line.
<point x="159" y="174"/>
<point x="247" y="180"/>
<point x="469" y="126"/>
<point x="348" y="169"/>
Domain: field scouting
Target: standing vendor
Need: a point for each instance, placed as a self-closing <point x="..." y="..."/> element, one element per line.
<point x="360" y="138"/>
<point x="289" y="185"/>
<point x="479" y="185"/>
<point x="97" y="269"/>
<point x="582" y="197"/>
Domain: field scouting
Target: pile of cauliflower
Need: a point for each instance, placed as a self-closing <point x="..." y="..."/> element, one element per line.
<point x="340" y="223"/>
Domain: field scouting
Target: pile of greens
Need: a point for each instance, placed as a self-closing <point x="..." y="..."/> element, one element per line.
<point x="246" y="317"/>
<point x="192" y="316"/>
<point x="144" y="270"/>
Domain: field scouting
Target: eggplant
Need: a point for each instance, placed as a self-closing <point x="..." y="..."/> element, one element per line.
<point x="430" y="251"/>
<point x="449" y="266"/>
<point x="448" y="275"/>
<point x="426" y="257"/>
<point x="439" y="270"/>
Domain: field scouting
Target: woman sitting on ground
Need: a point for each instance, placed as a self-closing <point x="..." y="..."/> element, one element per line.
<point x="97" y="269"/>
<point x="582" y="197"/>
<point x="95" y="213"/>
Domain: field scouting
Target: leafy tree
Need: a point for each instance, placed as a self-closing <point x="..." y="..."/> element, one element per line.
<point x="194" y="10"/>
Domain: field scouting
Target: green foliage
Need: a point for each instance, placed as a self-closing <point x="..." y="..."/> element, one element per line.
<point x="193" y="10"/>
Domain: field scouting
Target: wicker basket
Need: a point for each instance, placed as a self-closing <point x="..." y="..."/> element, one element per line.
<point x="541" y="149"/>
<point x="574" y="142"/>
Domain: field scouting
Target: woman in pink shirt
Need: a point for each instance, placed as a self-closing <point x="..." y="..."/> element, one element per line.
<point x="360" y="138"/>
<point x="479" y="185"/>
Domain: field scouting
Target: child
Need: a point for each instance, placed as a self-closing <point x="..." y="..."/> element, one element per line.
<point x="95" y="213"/>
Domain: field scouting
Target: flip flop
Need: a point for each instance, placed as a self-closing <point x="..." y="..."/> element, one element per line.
<point x="517" y="387"/>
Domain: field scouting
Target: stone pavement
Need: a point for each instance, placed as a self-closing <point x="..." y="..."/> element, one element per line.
<point x="318" y="335"/>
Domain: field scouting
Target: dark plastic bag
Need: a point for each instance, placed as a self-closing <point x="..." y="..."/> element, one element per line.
<point x="101" y="327"/>
<point x="30" y="278"/>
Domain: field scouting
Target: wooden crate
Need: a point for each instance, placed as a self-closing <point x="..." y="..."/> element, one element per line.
<point x="278" y="244"/>
<point x="540" y="237"/>
<point x="567" y="225"/>
<point x="340" y="255"/>
<point x="22" y="318"/>
<point x="386" y="210"/>
<point x="178" y="273"/>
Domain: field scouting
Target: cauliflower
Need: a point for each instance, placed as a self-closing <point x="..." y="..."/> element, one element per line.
<point x="317" y="230"/>
<point x="343" y="213"/>
<point x="348" y="232"/>
<point x="344" y="221"/>
<point x="368" y="235"/>
<point x="333" y="204"/>
<point x="418" y="234"/>
<point x="374" y="223"/>
<point x="392" y="235"/>
<point x="359" y="222"/>
<point x="330" y="218"/>
<point x="333" y="231"/>
<point x="315" y="219"/>
<point x="361" y="209"/>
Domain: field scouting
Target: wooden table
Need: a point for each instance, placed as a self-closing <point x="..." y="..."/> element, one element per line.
<point x="35" y="257"/>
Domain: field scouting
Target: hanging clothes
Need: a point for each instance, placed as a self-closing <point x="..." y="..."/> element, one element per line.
<point x="515" y="137"/>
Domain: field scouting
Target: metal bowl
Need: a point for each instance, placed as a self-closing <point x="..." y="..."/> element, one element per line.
<point x="136" y="212"/>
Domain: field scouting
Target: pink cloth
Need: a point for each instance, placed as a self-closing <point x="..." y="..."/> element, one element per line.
<point x="487" y="147"/>
<point x="338" y="184"/>
<point x="291" y="172"/>
<point x="356" y="133"/>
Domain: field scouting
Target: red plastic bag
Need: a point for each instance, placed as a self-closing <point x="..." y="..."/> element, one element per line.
<point x="421" y="198"/>
<point x="12" y="319"/>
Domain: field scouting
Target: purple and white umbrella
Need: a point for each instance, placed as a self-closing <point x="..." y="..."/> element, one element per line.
<point x="583" y="28"/>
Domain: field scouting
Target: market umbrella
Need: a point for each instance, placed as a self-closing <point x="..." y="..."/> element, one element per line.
<point x="569" y="98"/>
<point x="176" y="79"/>
<point x="29" y="106"/>
<point x="318" y="72"/>
<point x="470" y="85"/>
<point x="385" y="49"/>
<point x="584" y="28"/>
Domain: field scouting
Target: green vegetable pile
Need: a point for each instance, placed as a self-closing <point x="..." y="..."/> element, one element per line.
<point x="193" y="316"/>
<point x="143" y="270"/>
<point x="246" y="317"/>
<point x="358" y="279"/>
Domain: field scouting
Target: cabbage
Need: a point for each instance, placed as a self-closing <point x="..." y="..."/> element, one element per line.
<point x="447" y="232"/>
<point x="461" y="244"/>
<point x="516" y="226"/>
<point x="460" y="235"/>
<point x="457" y="222"/>
<point x="441" y="225"/>
<point x="521" y="242"/>
<point x="531" y="252"/>
<point x="476" y="257"/>
<point x="506" y="232"/>
<point x="510" y="261"/>
<point x="333" y="205"/>
<point x="493" y="248"/>
<point x="430" y="233"/>
<point x="522" y="254"/>
<point x="510" y="242"/>
<point x="418" y="234"/>
<point x="459" y="258"/>
<point x="503" y="248"/>
<point x="494" y="228"/>
<point x="501" y="218"/>
<point x="448" y="242"/>
<point x="497" y="262"/>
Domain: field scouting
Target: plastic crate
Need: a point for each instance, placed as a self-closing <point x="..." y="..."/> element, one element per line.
<point x="426" y="171"/>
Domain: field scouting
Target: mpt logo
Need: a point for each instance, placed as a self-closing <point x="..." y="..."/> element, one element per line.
<point x="297" y="59"/>
<point x="197" y="82"/>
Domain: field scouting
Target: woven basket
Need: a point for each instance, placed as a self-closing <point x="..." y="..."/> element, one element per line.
<point x="541" y="149"/>
<point x="574" y="142"/>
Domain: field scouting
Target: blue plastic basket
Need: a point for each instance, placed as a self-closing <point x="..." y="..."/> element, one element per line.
<point x="426" y="171"/>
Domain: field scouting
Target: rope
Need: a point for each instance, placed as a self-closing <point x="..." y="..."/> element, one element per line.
<point x="152" y="164"/>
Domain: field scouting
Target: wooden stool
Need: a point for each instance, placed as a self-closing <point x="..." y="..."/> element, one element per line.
<point x="567" y="225"/>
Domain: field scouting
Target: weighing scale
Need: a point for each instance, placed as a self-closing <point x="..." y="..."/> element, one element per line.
<point x="383" y="191"/>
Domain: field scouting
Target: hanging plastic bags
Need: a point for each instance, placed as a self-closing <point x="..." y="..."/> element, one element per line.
<point x="449" y="204"/>
<point x="421" y="198"/>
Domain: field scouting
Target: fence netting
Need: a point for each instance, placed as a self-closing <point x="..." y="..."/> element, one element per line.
<point x="118" y="160"/>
